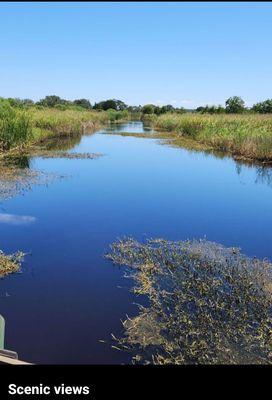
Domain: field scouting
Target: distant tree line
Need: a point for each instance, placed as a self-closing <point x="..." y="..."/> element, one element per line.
<point x="233" y="105"/>
<point x="236" y="105"/>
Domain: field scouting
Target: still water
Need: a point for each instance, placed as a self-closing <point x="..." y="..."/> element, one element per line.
<point x="68" y="297"/>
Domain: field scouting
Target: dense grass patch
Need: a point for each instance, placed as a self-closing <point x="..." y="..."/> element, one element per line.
<point x="207" y="304"/>
<point x="15" y="127"/>
<point x="52" y="122"/>
<point x="21" y="127"/>
<point x="248" y="136"/>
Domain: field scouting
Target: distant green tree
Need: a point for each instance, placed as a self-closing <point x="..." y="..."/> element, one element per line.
<point x="113" y="104"/>
<point x="180" y="110"/>
<point x="148" y="109"/>
<point x="167" y="109"/>
<point x="20" y="103"/>
<point x="84" y="103"/>
<point x="52" y="101"/>
<point x="235" y="105"/>
<point x="211" y="110"/>
<point x="157" y="110"/>
<point x="134" y="109"/>
<point x="200" y="109"/>
<point x="264" y="107"/>
<point x="27" y="102"/>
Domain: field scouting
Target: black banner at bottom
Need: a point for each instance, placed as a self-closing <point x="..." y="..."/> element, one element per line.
<point x="125" y="382"/>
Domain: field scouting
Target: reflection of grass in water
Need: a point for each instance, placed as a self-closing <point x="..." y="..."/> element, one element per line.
<point x="61" y="143"/>
<point x="246" y="136"/>
<point x="64" y="154"/>
<point x="16" y="177"/>
<point x="17" y="161"/>
<point x="10" y="263"/>
<point x="207" y="304"/>
<point x="58" y="148"/>
<point x="263" y="170"/>
<point x="16" y="174"/>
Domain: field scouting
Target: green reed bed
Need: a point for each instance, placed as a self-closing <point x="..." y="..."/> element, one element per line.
<point x="15" y="127"/>
<point x="208" y="304"/>
<point x="52" y="122"/>
<point x="246" y="136"/>
<point x="20" y="128"/>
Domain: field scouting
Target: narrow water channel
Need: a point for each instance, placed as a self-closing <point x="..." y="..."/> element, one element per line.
<point x="68" y="297"/>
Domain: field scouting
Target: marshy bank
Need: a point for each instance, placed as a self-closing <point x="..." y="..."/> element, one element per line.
<point x="246" y="137"/>
<point x="21" y="128"/>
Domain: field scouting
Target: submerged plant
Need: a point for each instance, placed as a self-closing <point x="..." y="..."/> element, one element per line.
<point x="207" y="304"/>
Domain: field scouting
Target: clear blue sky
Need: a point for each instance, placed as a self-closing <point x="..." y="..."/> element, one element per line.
<point x="185" y="54"/>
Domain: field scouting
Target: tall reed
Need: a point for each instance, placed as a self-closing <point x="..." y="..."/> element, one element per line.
<point x="15" y="127"/>
<point x="248" y="136"/>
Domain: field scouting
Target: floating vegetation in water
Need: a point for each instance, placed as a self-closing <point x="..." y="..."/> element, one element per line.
<point x="64" y="154"/>
<point x="208" y="304"/>
<point x="10" y="263"/>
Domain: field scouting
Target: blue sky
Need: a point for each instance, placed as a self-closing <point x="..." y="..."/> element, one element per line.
<point x="185" y="54"/>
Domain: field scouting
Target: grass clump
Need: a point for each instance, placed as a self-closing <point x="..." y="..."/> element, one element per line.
<point x="23" y="127"/>
<point x="15" y="127"/>
<point x="208" y="304"/>
<point x="10" y="263"/>
<point x="244" y="136"/>
<point x="54" y="123"/>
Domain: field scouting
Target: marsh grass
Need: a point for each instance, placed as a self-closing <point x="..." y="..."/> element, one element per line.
<point x="10" y="263"/>
<point x="15" y="128"/>
<point x="22" y="128"/>
<point x="52" y="122"/>
<point x="208" y="304"/>
<point x="244" y="136"/>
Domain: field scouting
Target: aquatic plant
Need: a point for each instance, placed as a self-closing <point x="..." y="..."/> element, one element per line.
<point x="64" y="154"/>
<point x="10" y="263"/>
<point x="208" y="304"/>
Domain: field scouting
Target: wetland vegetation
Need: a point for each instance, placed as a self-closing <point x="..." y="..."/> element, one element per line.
<point x="23" y="123"/>
<point x="10" y="264"/>
<point x="208" y="304"/>
<point x="243" y="136"/>
<point x="244" y="133"/>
